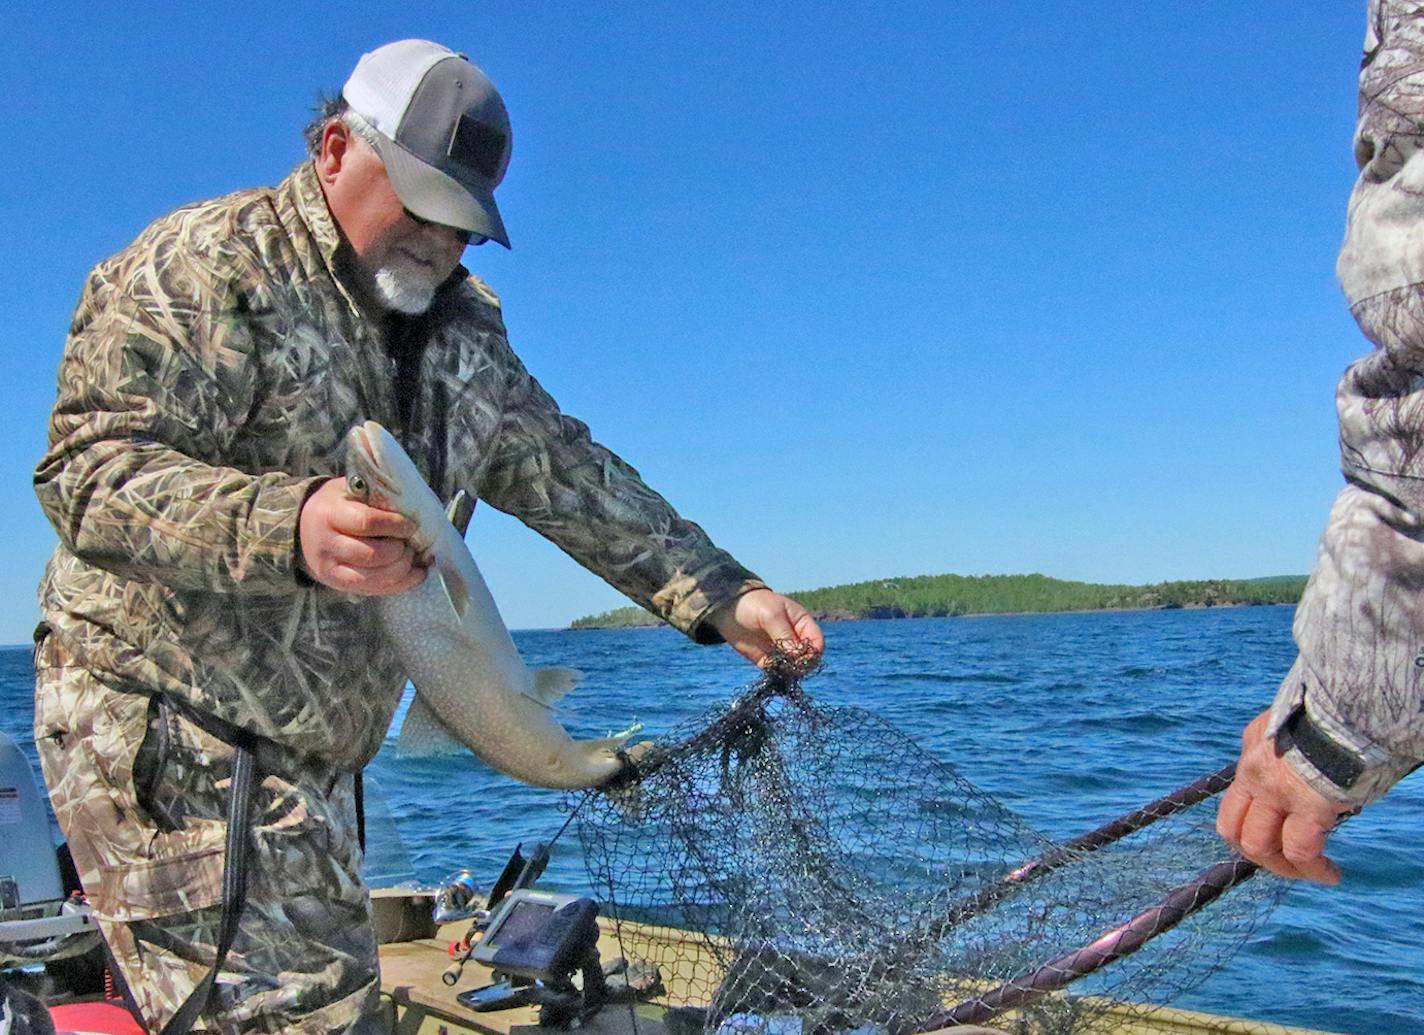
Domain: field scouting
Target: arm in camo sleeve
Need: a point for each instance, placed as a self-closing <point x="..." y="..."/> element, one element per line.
<point x="553" y="477"/>
<point x="1360" y="624"/>
<point x="157" y="374"/>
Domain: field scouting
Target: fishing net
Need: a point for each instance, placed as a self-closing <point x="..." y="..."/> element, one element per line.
<point x="797" y="869"/>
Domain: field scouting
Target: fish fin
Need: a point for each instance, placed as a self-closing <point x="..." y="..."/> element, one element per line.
<point x="552" y="683"/>
<point x="422" y="733"/>
<point x="453" y="583"/>
<point x="460" y="510"/>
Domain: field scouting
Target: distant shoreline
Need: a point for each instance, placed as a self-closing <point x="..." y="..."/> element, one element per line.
<point x="657" y="623"/>
<point x="961" y="596"/>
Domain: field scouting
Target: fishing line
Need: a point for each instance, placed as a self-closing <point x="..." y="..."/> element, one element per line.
<point x="572" y="815"/>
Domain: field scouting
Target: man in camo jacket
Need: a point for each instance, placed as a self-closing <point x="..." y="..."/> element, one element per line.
<point x="211" y="571"/>
<point x="1348" y="721"/>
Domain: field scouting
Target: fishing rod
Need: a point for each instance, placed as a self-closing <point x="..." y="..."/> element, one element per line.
<point x="518" y="873"/>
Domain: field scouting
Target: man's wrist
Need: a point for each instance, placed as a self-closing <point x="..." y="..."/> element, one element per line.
<point x="300" y="572"/>
<point x="704" y="629"/>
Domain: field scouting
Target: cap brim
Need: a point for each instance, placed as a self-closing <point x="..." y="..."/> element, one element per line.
<point x="439" y="197"/>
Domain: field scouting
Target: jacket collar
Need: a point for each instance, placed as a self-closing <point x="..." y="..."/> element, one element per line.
<point x="304" y="189"/>
<point x="301" y="193"/>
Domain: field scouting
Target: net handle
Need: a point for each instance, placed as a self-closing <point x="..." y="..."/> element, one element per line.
<point x="1182" y="798"/>
<point x="1179" y="903"/>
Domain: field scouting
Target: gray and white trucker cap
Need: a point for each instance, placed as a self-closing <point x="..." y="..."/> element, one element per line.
<point x="444" y="133"/>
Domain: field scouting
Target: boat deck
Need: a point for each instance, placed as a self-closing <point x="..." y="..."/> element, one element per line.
<point x="410" y="975"/>
<point x="412" y="962"/>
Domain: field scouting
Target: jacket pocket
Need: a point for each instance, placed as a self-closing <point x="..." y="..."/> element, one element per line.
<point x="92" y="735"/>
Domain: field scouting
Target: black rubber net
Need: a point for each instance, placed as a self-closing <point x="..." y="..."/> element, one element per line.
<point x="796" y="869"/>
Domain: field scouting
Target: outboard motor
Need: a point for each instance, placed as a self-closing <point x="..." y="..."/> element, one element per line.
<point x="38" y="923"/>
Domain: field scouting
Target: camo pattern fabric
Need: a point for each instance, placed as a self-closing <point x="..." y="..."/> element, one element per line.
<point x="143" y="792"/>
<point x="212" y="370"/>
<point x="1360" y="624"/>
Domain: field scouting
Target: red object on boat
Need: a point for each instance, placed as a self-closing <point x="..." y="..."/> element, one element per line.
<point x="102" y="1018"/>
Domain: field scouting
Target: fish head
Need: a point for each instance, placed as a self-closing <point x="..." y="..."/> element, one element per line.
<point x="378" y="472"/>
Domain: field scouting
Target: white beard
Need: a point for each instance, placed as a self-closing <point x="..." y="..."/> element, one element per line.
<point x="404" y="290"/>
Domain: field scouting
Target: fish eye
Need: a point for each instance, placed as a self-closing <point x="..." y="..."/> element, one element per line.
<point x="356" y="484"/>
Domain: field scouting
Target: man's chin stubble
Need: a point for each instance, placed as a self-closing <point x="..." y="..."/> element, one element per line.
<point x="401" y="292"/>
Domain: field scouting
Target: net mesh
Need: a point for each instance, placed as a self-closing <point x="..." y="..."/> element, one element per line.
<point x="797" y="869"/>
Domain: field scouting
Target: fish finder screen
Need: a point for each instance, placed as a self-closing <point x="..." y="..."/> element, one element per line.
<point x="523" y="920"/>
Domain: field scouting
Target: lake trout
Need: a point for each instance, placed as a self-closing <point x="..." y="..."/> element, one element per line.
<point x="471" y="686"/>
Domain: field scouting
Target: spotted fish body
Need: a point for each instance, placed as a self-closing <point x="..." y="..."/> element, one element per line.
<point x="471" y="686"/>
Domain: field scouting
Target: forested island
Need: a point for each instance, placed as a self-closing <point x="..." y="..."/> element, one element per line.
<point x="939" y="596"/>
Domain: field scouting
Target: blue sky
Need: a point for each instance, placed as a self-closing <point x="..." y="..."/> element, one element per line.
<point x="865" y="289"/>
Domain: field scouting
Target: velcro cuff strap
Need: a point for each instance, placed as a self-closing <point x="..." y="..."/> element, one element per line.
<point x="1336" y="763"/>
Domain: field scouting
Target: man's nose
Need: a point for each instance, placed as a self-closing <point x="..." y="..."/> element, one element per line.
<point x="444" y="241"/>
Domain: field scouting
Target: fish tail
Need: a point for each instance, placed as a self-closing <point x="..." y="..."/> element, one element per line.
<point x="604" y="744"/>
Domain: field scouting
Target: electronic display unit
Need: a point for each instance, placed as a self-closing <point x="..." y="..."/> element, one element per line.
<point x="539" y="935"/>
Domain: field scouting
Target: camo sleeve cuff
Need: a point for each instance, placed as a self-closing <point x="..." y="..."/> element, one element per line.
<point x="688" y="602"/>
<point x="1381" y="769"/>
<point x="299" y="567"/>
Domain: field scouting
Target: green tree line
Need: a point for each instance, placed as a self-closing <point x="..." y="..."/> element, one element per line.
<point x="934" y="596"/>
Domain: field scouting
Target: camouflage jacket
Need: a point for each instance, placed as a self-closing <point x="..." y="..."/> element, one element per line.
<point x="211" y="372"/>
<point x="1360" y="625"/>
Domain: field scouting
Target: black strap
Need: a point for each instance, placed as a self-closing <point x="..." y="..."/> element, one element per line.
<point x="234" y="886"/>
<point x="1336" y="763"/>
<point x="358" y="791"/>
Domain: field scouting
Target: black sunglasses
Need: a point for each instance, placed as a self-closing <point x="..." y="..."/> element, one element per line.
<point x="465" y="237"/>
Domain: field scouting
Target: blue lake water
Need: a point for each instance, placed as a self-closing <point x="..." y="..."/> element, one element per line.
<point x="1068" y="719"/>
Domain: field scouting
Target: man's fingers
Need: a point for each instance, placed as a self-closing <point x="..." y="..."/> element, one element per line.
<point x="1261" y="832"/>
<point x="749" y="648"/>
<point x="357" y="552"/>
<point x="1303" y="845"/>
<point x="1230" y="813"/>
<point x="1290" y="844"/>
<point x="375" y="582"/>
<point x="756" y="621"/>
<point x="809" y="632"/>
<point x="777" y="625"/>
<point x="354" y="518"/>
<point x="1260" y="839"/>
<point x="352" y="547"/>
<point x="412" y="578"/>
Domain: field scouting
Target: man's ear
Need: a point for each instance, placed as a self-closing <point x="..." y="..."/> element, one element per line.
<point x="335" y="141"/>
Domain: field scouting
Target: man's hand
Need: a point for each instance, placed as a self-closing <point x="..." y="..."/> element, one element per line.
<point x="753" y="622"/>
<point x="355" y="548"/>
<point x="1273" y="817"/>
